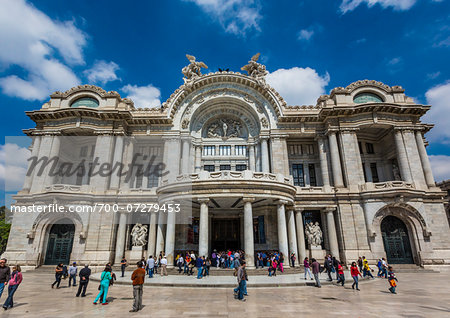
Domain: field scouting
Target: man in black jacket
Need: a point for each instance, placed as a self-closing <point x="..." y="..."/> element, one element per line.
<point x="84" y="280"/>
<point x="5" y="273"/>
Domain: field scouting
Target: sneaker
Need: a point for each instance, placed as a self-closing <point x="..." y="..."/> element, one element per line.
<point x="104" y="304"/>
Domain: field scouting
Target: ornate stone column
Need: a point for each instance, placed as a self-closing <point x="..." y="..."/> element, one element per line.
<point x="335" y="159"/>
<point x="413" y="157"/>
<point x="172" y="156"/>
<point x="332" y="236"/>
<point x="170" y="238"/>
<point x="198" y="158"/>
<point x="300" y="235"/>
<point x="251" y="158"/>
<point x="203" y="228"/>
<point x="185" y="158"/>
<point x="103" y="151"/>
<point x="351" y="158"/>
<point x="424" y="159"/>
<point x="125" y="184"/>
<point x="121" y="237"/>
<point x="249" y="246"/>
<point x="117" y="159"/>
<point x="151" y="245"/>
<point x="282" y="231"/>
<point x="292" y="235"/>
<point x="265" y="162"/>
<point x="160" y="233"/>
<point x="323" y="161"/>
<point x="34" y="153"/>
<point x="401" y="156"/>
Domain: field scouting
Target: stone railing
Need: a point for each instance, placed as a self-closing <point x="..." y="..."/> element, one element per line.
<point x="230" y="175"/>
<point x="369" y="186"/>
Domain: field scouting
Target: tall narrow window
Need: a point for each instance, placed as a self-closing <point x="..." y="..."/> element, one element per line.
<point x="374" y="171"/>
<point x="369" y="148"/>
<point x="209" y="150"/>
<point x="241" y="167"/>
<point x="297" y="173"/>
<point x="240" y="150"/>
<point x="312" y="175"/>
<point x="152" y="180"/>
<point x="225" y="150"/>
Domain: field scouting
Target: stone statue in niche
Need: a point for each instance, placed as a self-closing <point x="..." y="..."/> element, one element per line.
<point x="314" y="234"/>
<point x="225" y="128"/>
<point x="396" y="172"/>
<point x="139" y="234"/>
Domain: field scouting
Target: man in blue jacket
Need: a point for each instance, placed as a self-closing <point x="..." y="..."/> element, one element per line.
<point x="199" y="265"/>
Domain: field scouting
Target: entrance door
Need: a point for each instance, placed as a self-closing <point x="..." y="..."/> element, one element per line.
<point x="396" y="241"/>
<point x="225" y="234"/>
<point x="59" y="246"/>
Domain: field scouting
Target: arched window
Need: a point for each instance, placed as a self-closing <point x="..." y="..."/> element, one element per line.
<point x="85" y="102"/>
<point x="367" y="98"/>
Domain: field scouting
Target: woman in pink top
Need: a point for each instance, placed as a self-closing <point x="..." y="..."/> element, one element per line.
<point x="307" y="268"/>
<point x="14" y="282"/>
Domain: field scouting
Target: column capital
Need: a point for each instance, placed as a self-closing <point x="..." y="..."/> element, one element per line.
<point x="282" y="202"/>
<point x="299" y="208"/>
<point x="348" y="130"/>
<point x="203" y="200"/>
<point x="248" y="199"/>
<point x="329" y="209"/>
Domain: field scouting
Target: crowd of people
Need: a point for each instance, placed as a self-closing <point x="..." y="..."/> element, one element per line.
<point x="188" y="261"/>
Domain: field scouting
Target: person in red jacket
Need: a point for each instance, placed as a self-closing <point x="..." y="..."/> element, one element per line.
<point x="355" y="272"/>
<point x="340" y="271"/>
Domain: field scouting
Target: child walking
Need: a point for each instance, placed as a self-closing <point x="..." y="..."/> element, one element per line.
<point x="392" y="280"/>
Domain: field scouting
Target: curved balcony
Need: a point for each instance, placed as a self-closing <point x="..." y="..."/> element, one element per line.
<point x="228" y="184"/>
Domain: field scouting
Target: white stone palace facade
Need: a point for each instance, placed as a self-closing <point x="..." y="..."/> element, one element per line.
<point x="257" y="172"/>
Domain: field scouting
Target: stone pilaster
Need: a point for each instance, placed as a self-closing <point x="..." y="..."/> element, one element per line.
<point x="282" y="231"/>
<point x="203" y="228"/>
<point x="170" y="238"/>
<point x="300" y="235"/>
<point x="335" y="160"/>
<point x="413" y="157"/>
<point x="402" y="158"/>
<point x="198" y="158"/>
<point x="34" y="153"/>
<point x="351" y="158"/>
<point x="248" y="232"/>
<point x="160" y="233"/>
<point x="265" y="162"/>
<point x="185" y="158"/>
<point x="321" y="141"/>
<point x="424" y="160"/>
<point x="103" y="151"/>
<point x="127" y="159"/>
<point x="117" y="159"/>
<point x="251" y="158"/>
<point x="151" y="245"/>
<point x="121" y="237"/>
<point x="292" y="234"/>
<point x="332" y="236"/>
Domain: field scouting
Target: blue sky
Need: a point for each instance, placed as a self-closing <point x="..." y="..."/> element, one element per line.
<point x="309" y="47"/>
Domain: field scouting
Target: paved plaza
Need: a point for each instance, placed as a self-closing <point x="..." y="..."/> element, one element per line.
<point x="419" y="295"/>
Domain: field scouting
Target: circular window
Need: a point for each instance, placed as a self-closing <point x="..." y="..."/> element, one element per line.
<point x="85" y="102"/>
<point x="367" y="98"/>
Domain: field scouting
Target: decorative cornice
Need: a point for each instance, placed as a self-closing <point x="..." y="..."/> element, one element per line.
<point x="82" y="88"/>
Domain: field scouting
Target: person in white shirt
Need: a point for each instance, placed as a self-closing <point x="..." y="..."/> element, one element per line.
<point x="164" y="266"/>
<point x="73" y="270"/>
<point x="180" y="262"/>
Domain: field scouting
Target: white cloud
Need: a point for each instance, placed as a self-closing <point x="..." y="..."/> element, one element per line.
<point x="143" y="96"/>
<point x="440" y="164"/>
<point x="298" y="85"/>
<point x="42" y="47"/>
<point x="13" y="166"/>
<point x="235" y="16"/>
<point x="399" y="5"/>
<point x="102" y="72"/>
<point x="305" y="35"/>
<point x="433" y="75"/>
<point x="439" y="114"/>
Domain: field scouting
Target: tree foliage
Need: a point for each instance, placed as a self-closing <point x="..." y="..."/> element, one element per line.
<point x="4" y="229"/>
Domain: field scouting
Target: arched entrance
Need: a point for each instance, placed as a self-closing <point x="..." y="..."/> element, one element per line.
<point x="60" y="241"/>
<point x="396" y="241"/>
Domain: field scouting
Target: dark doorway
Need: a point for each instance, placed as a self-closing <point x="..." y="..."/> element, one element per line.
<point x="60" y="241"/>
<point x="396" y="241"/>
<point x="225" y="234"/>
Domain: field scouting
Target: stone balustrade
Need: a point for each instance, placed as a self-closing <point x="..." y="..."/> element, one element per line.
<point x="369" y="186"/>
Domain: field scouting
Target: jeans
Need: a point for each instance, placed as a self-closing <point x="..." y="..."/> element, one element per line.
<point x="2" y="286"/>
<point x="384" y="273"/>
<point x="150" y="272"/>
<point x="236" y="290"/>
<point x="74" y="278"/>
<point x="186" y="268"/>
<point x="367" y="273"/>
<point x="104" y="286"/>
<point x="355" y="282"/>
<point x="9" y="301"/>
<point x="316" y="277"/>
<point x="308" y="271"/>
<point x="380" y="270"/>
<point x="57" y="280"/>
<point x="199" y="272"/>
<point x="329" y="274"/>
<point x="137" y="294"/>
<point x="123" y="270"/>
<point x="82" y="288"/>
<point x="341" y="279"/>
<point x="241" y="289"/>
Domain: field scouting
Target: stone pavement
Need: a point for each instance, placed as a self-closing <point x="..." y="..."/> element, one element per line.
<point x="419" y="295"/>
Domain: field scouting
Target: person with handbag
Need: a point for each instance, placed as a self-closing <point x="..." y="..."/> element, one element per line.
<point x="105" y="280"/>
